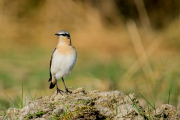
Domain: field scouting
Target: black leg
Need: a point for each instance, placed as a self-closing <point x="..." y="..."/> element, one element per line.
<point x="58" y="90"/>
<point x="65" y="87"/>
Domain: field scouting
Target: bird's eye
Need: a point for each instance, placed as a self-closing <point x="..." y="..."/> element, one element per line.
<point x="65" y="35"/>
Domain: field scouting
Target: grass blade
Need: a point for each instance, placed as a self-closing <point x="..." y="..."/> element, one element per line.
<point x="65" y="106"/>
<point x="30" y="95"/>
<point x="169" y="95"/>
<point x="4" y="115"/>
<point x="36" y="91"/>
<point x="154" y="105"/>
<point x="20" y="102"/>
<point x="116" y="104"/>
<point x="11" y="100"/>
<point x="22" y="95"/>
<point x="147" y="101"/>
<point x="25" y="102"/>
<point x="149" y="112"/>
<point x="134" y="104"/>
<point x="39" y="113"/>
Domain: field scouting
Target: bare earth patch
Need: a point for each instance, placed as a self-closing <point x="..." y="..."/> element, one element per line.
<point x="94" y="105"/>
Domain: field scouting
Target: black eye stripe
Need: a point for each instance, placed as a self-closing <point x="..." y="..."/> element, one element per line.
<point x="64" y="35"/>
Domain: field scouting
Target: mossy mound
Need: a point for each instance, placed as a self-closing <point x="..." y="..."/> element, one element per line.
<point x="93" y="105"/>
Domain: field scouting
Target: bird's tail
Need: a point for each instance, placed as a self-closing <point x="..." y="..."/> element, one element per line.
<point x="53" y="83"/>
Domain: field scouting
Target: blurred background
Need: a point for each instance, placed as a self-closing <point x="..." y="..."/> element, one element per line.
<point x="132" y="46"/>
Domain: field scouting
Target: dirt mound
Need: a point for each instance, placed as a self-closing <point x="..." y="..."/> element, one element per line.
<point x="81" y="105"/>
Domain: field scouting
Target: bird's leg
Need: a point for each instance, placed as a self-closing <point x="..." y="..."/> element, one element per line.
<point x="65" y="87"/>
<point x="58" y="90"/>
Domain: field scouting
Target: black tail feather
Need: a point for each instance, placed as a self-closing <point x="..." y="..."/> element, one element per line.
<point x="52" y="85"/>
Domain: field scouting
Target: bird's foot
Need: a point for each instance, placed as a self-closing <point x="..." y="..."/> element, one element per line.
<point x="68" y="91"/>
<point x="59" y="91"/>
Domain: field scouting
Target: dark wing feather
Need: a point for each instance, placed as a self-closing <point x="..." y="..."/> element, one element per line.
<point x="50" y="64"/>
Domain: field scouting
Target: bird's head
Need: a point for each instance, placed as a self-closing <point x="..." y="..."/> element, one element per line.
<point x="64" y="36"/>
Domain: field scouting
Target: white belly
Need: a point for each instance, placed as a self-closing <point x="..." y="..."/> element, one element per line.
<point x="62" y="65"/>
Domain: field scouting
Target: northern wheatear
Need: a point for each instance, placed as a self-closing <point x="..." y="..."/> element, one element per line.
<point x="62" y="60"/>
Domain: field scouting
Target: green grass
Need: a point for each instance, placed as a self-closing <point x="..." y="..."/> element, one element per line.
<point x="36" y="114"/>
<point x="20" y="103"/>
<point x="33" y="98"/>
<point x="134" y="104"/>
<point x="4" y="115"/>
<point x="148" y="102"/>
<point x="65" y="112"/>
<point x="14" y="104"/>
<point x="116" y="104"/>
<point x="169" y="96"/>
<point x="149" y="112"/>
<point x="154" y="105"/>
<point x="32" y="69"/>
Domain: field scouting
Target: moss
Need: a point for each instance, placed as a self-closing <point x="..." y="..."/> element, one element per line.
<point x="78" y="112"/>
<point x="67" y="116"/>
<point x="86" y="112"/>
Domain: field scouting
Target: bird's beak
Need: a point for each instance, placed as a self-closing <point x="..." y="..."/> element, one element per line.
<point x="56" y="34"/>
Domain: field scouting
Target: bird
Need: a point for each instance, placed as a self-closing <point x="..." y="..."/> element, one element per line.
<point x="62" y="60"/>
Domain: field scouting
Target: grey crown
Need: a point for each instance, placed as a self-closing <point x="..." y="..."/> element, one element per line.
<point x="63" y="32"/>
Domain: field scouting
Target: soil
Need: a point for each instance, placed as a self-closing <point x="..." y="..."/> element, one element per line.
<point x="93" y="105"/>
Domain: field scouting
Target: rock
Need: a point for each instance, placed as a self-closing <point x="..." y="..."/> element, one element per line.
<point x="177" y="115"/>
<point x="91" y="105"/>
<point x="79" y="90"/>
<point x="126" y="111"/>
<point x="104" y="102"/>
<point x="168" y="110"/>
<point x="105" y="111"/>
<point x="40" y="119"/>
<point x="57" y="112"/>
<point x="24" y="112"/>
<point x="12" y="113"/>
<point x="158" y="113"/>
<point x="83" y="99"/>
<point x="1" y="117"/>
